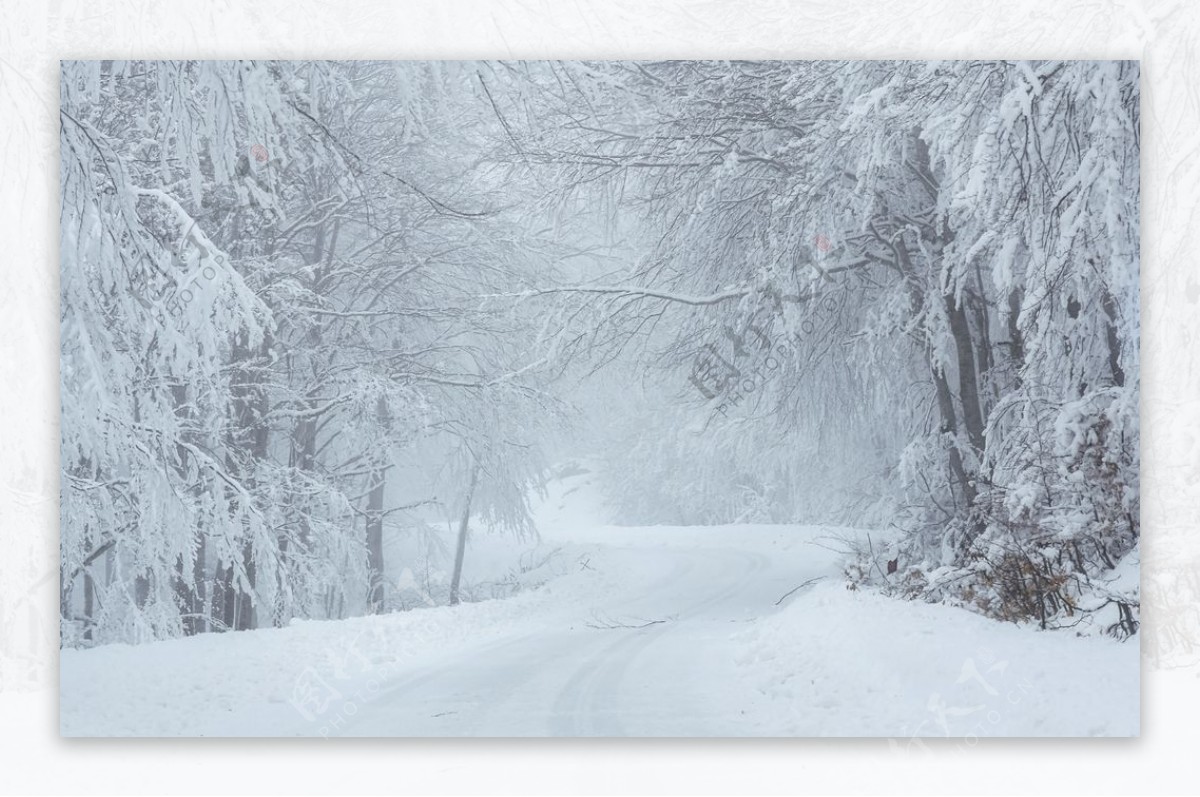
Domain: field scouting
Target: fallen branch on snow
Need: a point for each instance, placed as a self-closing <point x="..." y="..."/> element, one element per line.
<point x="608" y="624"/>
<point x="794" y="590"/>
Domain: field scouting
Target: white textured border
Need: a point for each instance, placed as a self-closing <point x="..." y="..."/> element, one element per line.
<point x="33" y="38"/>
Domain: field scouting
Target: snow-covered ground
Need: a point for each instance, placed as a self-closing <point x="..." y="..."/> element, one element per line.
<point x="654" y="631"/>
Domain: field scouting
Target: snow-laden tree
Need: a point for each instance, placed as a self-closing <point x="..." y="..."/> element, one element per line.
<point x="271" y="281"/>
<point x="1004" y="197"/>
<point x="941" y="256"/>
<point x="150" y="303"/>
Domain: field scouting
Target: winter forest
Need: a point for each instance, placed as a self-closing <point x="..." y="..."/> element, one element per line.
<point x="339" y="337"/>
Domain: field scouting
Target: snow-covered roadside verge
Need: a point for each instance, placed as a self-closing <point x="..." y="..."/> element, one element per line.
<point x="841" y="662"/>
<point x="309" y="676"/>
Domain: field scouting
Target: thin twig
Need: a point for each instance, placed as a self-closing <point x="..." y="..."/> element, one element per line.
<point x="609" y="625"/>
<point x="797" y="589"/>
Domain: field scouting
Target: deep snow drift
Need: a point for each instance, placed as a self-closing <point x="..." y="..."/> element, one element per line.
<point x="654" y="631"/>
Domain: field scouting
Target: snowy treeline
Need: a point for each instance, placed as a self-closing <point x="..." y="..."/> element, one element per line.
<point x="309" y="305"/>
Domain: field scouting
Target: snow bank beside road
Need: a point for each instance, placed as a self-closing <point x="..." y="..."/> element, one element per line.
<point x="839" y="662"/>
<point x="302" y="677"/>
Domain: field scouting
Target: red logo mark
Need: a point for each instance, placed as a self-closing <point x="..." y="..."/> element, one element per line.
<point x="823" y="243"/>
<point x="259" y="152"/>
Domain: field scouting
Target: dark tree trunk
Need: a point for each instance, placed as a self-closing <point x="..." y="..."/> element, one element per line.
<point x="968" y="384"/>
<point x="1016" y="343"/>
<point x="945" y="398"/>
<point x="245" y="618"/>
<point x="984" y="355"/>
<point x="1113" y="340"/>
<point x="199" y="585"/>
<point x="463" y="525"/>
<point x="375" y="595"/>
<point x="188" y="581"/>
<point x="248" y="444"/>
<point x="949" y="426"/>
<point x="224" y="593"/>
<point x="141" y="590"/>
<point x="89" y="604"/>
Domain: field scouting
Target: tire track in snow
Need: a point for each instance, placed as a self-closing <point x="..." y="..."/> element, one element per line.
<point x="559" y="682"/>
<point x="590" y="703"/>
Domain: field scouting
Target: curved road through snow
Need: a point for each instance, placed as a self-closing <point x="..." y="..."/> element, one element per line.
<point x="660" y="662"/>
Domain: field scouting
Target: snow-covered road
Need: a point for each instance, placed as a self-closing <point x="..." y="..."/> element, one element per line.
<point x="616" y="631"/>
<point x="658" y="660"/>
